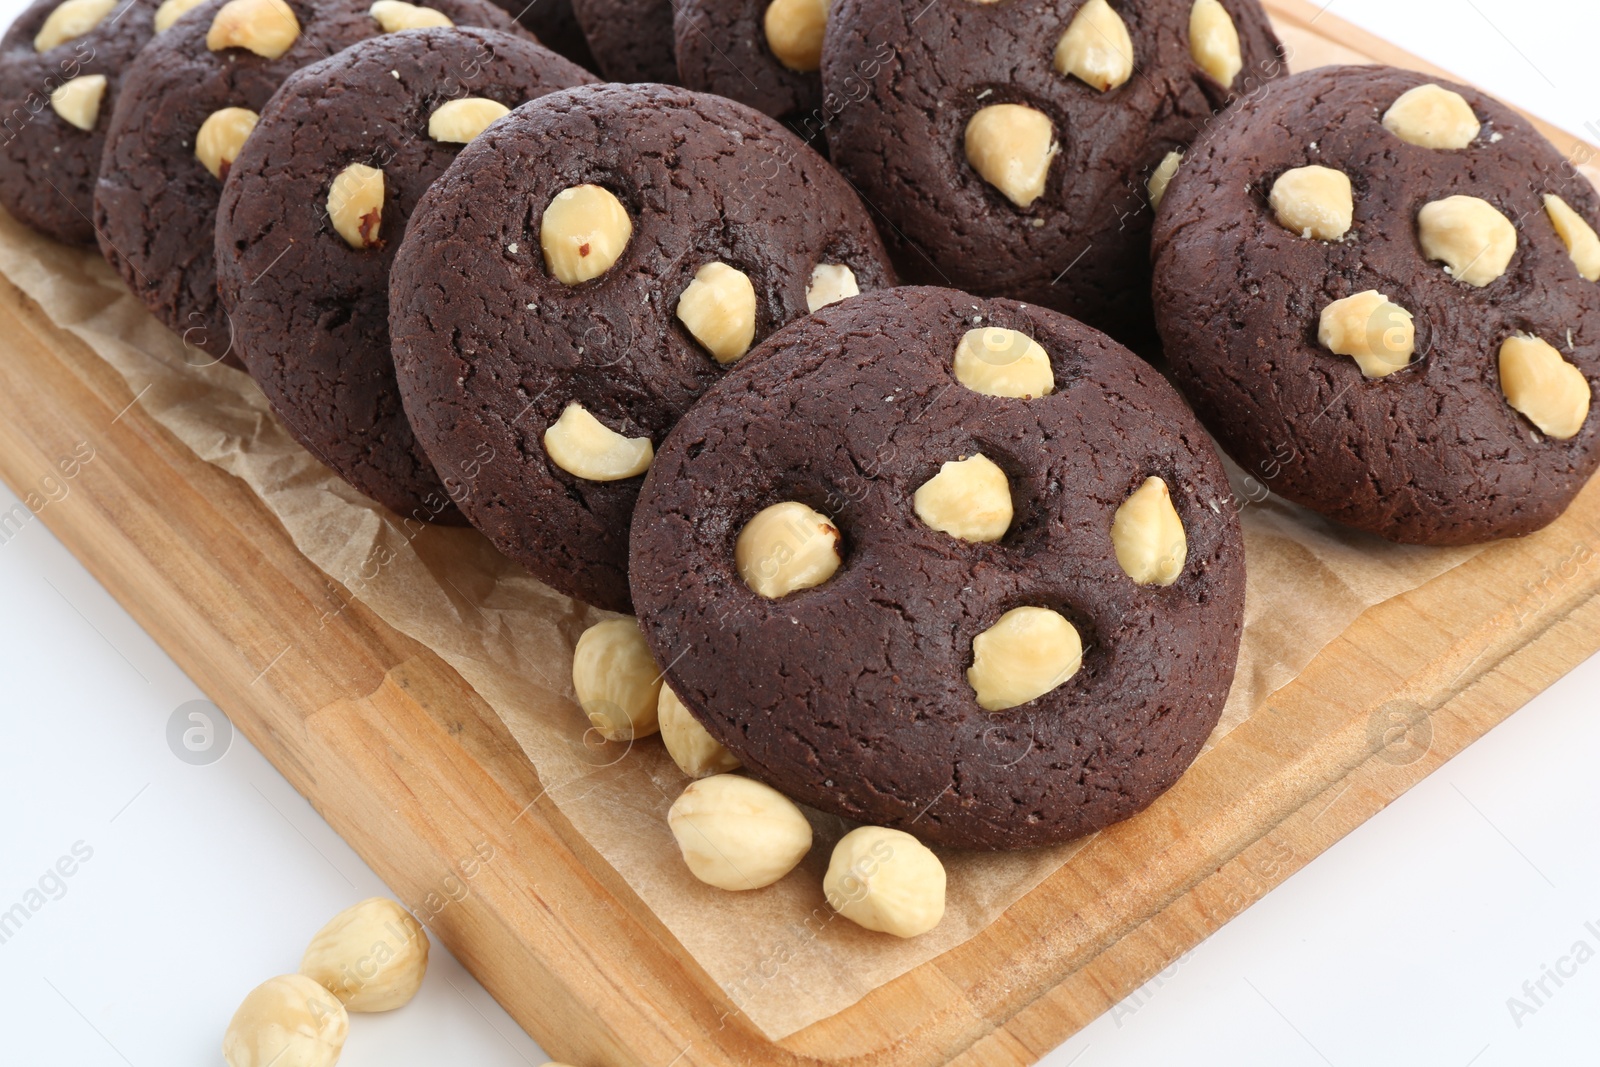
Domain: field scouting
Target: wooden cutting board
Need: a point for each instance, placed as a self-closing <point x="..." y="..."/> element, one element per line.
<point x="405" y="761"/>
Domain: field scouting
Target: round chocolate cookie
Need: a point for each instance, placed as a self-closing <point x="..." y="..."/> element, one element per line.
<point x="1037" y="615"/>
<point x="1010" y="145"/>
<point x="155" y="202"/>
<point x="1379" y="291"/>
<point x="584" y="270"/>
<point x="310" y="311"/>
<point x="760" y="53"/>
<point x="631" y="39"/>
<point x="555" y="24"/>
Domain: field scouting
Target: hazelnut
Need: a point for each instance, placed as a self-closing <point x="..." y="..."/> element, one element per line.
<point x="69" y="20"/>
<point x="221" y="137"/>
<point x="587" y="448"/>
<point x="1024" y="655"/>
<point x="719" y="310"/>
<point x="997" y="361"/>
<point x="78" y="101"/>
<point x="1538" y="382"/>
<point x="371" y="955"/>
<point x="736" y="833"/>
<point x="1377" y="334"/>
<point x="1148" y="535"/>
<point x="1096" y="48"/>
<point x="885" y="880"/>
<point x="968" y="498"/>
<point x="265" y="27"/>
<point x="691" y="747"/>
<point x="1011" y="146"/>
<point x="287" y="1021"/>
<point x="785" y="548"/>
<point x="355" y="204"/>
<point x="1214" y="41"/>
<point x="1473" y="240"/>
<point x="396" y="15"/>
<point x="583" y="232"/>
<point x="1431" y="116"/>
<point x="171" y="10"/>
<point x="830" y="283"/>
<point x="616" y="679"/>
<point x="1314" y="202"/>
<point x="1162" y="177"/>
<point x="459" y="121"/>
<point x="794" y="32"/>
<point x="1579" y="237"/>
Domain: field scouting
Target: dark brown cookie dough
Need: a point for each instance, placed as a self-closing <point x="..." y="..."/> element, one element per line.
<point x="556" y="26"/>
<point x="1432" y="453"/>
<point x="897" y="129"/>
<point x="852" y="696"/>
<point x="722" y="48"/>
<point x="631" y="39"/>
<point x="491" y="349"/>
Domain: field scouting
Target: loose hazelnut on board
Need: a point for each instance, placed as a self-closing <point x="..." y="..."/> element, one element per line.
<point x="171" y="10"/>
<point x="1473" y="239"/>
<point x="1162" y="177"/>
<point x="1096" y="48"/>
<point x="830" y="283"/>
<point x="1011" y="146"/>
<point x="1431" y="116"/>
<point x="78" y="101"/>
<point x="695" y="751"/>
<point x="221" y="137"/>
<point x="786" y="548"/>
<point x="1148" y="535"/>
<point x="1579" y="237"/>
<point x="287" y="1021"/>
<point x="969" y="499"/>
<point x="1214" y="41"/>
<point x="616" y="679"/>
<point x="719" y="309"/>
<point x="1537" y="381"/>
<point x="794" y="31"/>
<point x="587" y="448"/>
<point x="1377" y="334"/>
<point x="997" y="361"/>
<point x="736" y="833"/>
<point x="885" y="880"/>
<point x="583" y="232"/>
<point x="1024" y="655"/>
<point x="397" y="15"/>
<point x="372" y="956"/>
<point x="355" y="205"/>
<point x="1314" y="202"/>
<point x="69" y="20"/>
<point x="265" y="27"/>
<point x="459" y="121"/>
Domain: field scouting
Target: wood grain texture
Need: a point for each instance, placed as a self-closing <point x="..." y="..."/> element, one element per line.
<point x="420" y="777"/>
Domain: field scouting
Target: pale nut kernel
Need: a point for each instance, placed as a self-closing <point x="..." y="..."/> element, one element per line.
<point x="1473" y="239"/>
<point x="1214" y="41"/>
<point x="997" y="361"/>
<point x="794" y="30"/>
<point x="1011" y="146"/>
<point x="287" y="1021"/>
<point x="355" y="205"/>
<point x="1162" y="177"/>
<point x="1579" y="237"/>
<point x="587" y="448"/>
<point x="1539" y="382"/>
<point x="265" y="27"/>
<point x="1431" y="116"/>
<point x="787" y="547"/>
<point x="969" y="499"/>
<point x="1096" y="48"/>
<point x="78" y="101"/>
<point x="736" y="833"/>
<point x="459" y="121"/>
<point x="1379" y="335"/>
<point x="371" y="955"/>
<point x="172" y="10"/>
<point x="221" y="137"/>
<point x="69" y="20"/>
<point x="690" y="745"/>
<point x="583" y="232"/>
<point x="616" y="679"/>
<point x="885" y="880"/>
<point x="1148" y="535"/>
<point x="1314" y="202"/>
<point x="830" y="283"/>
<point x="396" y="15"/>
<point x="1024" y="655"/>
<point x="719" y="309"/>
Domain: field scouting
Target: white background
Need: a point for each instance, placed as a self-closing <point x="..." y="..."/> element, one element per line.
<point x="1400" y="945"/>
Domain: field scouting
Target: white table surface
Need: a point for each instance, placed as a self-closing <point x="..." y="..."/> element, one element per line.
<point x="1403" y="944"/>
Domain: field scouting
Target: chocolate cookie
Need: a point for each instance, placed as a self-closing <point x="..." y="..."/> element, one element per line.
<point x="556" y="26"/>
<point x="155" y="202"/>
<point x="1378" y="290"/>
<point x="310" y="311"/>
<point x="631" y="39"/>
<point x="1010" y="145"/>
<point x="763" y="54"/>
<point x="584" y="270"/>
<point x="1035" y="622"/>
